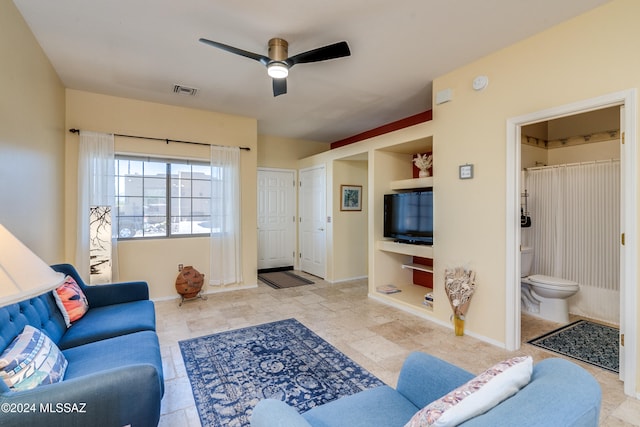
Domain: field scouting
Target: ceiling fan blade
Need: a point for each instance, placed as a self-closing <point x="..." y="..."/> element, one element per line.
<point x="332" y="51"/>
<point x="260" y="58"/>
<point x="279" y="87"/>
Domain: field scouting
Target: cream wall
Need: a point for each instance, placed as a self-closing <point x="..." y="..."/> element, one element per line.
<point x="527" y="77"/>
<point x="531" y="156"/>
<point x="31" y="140"/>
<point x="284" y="153"/>
<point x="350" y="259"/>
<point x="156" y="260"/>
<point x="585" y="153"/>
<point x="575" y="154"/>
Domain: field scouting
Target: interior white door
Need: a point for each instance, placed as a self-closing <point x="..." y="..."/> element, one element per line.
<point x="313" y="221"/>
<point x="276" y="218"/>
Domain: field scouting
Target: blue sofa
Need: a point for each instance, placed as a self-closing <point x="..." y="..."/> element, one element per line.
<point x="114" y="375"/>
<point x="560" y="394"/>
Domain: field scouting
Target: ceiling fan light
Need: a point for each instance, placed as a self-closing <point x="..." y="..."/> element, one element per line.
<point x="277" y="70"/>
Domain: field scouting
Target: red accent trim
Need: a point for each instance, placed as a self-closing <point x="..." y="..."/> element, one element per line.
<point x="423" y="278"/>
<point x="425" y="116"/>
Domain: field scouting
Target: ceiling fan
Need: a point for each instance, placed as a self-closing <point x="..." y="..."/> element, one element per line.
<point x="278" y="63"/>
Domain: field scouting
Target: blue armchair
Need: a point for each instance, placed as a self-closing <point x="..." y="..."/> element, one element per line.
<point x="560" y="394"/>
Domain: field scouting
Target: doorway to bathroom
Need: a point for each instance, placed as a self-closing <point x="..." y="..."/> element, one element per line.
<point x="623" y="103"/>
<point x="570" y="211"/>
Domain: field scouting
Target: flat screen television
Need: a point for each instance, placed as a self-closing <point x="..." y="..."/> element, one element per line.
<point x="408" y="217"/>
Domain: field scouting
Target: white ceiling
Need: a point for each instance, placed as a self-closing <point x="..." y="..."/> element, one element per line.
<point x="140" y="48"/>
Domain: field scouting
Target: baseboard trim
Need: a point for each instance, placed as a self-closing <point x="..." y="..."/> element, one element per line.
<point x="349" y="279"/>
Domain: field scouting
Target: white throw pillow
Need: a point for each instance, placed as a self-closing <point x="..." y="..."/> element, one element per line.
<point x="477" y="396"/>
<point x="31" y="359"/>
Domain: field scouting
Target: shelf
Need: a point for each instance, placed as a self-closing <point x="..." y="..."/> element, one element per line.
<point x="423" y="251"/>
<point x="410" y="295"/>
<point x="409" y="184"/>
<point x="420" y="267"/>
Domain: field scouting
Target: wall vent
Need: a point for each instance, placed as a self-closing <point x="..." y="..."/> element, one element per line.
<point x="184" y="90"/>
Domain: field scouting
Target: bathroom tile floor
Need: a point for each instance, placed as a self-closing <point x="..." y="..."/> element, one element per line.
<point x="376" y="336"/>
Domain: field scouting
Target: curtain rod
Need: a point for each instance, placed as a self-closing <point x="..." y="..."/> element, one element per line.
<point x="164" y="140"/>
<point x="565" y="165"/>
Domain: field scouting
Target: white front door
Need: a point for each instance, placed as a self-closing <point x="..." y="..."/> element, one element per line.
<point x="313" y="221"/>
<point x="276" y="218"/>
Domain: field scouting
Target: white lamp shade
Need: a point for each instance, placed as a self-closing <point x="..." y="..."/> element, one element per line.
<point x="22" y="273"/>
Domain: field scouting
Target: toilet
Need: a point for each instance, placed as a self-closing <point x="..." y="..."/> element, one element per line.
<point x="544" y="296"/>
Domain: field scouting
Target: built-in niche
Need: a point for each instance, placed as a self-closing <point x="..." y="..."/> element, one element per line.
<point x="350" y="227"/>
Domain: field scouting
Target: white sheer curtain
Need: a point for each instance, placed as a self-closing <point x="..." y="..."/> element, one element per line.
<point x="575" y="214"/>
<point x="96" y="187"/>
<point x="226" y="237"/>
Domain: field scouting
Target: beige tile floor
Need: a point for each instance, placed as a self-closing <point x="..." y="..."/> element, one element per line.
<point x="376" y="336"/>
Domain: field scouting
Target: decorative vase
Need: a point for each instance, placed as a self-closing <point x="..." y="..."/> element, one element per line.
<point x="189" y="282"/>
<point x="458" y="325"/>
<point x="424" y="173"/>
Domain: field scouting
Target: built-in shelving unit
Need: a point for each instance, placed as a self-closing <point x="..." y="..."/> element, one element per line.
<point x="419" y="267"/>
<point x="410" y="293"/>
<point x="410" y="297"/>
<point x="402" y="265"/>
<point x="423" y="251"/>
<point x="411" y="184"/>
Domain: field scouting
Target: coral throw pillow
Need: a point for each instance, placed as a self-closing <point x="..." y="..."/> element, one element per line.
<point x="476" y="396"/>
<point x="71" y="301"/>
<point x="31" y="359"/>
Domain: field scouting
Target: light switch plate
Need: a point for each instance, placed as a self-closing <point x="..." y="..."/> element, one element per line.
<point x="466" y="171"/>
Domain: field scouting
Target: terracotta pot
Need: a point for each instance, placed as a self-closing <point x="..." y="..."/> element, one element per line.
<point x="189" y="282"/>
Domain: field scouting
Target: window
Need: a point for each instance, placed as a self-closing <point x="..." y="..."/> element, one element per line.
<point x="162" y="198"/>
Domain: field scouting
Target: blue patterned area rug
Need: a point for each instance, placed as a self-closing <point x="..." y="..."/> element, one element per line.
<point x="231" y="371"/>
<point x="586" y="341"/>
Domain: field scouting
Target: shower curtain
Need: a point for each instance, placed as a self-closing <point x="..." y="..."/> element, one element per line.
<point x="575" y="213"/>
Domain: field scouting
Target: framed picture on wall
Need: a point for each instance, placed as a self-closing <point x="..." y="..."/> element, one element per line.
<point x="351" y="197"/>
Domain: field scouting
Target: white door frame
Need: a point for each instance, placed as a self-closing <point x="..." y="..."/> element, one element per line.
<point x="629" y="272"/>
